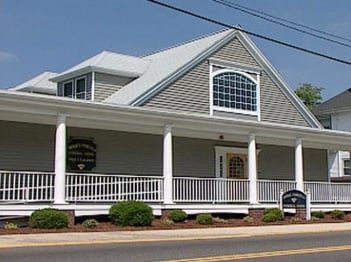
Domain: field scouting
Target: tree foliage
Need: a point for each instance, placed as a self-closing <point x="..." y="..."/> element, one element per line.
<point x="309" y="94"/>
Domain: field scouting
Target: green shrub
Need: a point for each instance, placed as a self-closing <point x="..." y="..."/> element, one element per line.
<point x="48" y="218"/>
<point x="204" y="219"/>
<point x="296" y="219"/>
<point x="177" y="215"/>
<point x="131" y="213"/>
<point x="167" y="221"/>
<point x="337" y="214"/>
<point x="269" y="218"/>
<point x="90" y="223"/>
<point x="272" y="215"/>
<point x="219" y="220"/>
<point x="315" y="218"/>
<point x="319" y="214"/>
<point x="10" y="226"/>
<point x="248" y="219"/>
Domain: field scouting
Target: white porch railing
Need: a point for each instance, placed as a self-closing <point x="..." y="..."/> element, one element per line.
<point x="111" y="188"/>
<point x="26" y="186"/>
<point x="212" y="190"/>
<point x="19" y="187"/>
<point x="328" y="192"/>
<point x="269" y="190"/>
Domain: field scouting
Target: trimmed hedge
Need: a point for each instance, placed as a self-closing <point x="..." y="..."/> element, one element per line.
<point x="337" y="214"/>
<point x="272" y="215"/>
<point x="318" y="214"/>
<point x="48" y="218"/>
<point x="90" y="223"/>
<point x="204" y="219"/>
<point x="131" y="213"/>
<point x="177" y="215"/>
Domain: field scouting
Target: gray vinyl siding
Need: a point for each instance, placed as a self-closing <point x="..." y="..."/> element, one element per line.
<point x="234" y="51"/>
<point x="31" y="147"/>
<point x="190" y="92"/>
<point x="196" y="157"/>
<point x="278" y="163"/>
<point x="89" y="80"/>
<point x="106" y="85"/>
<point x="124" y="152"/>
<point x="26" y="147"/>
<point x="315" y="164"/>
<point x="276" y="107"/>
<point x="237" y="116"/>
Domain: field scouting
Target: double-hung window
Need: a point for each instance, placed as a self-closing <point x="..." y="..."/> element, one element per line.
<point x="234" y="91"/>
<point x="76" y="88"/>
<point x="347" y="167"/>
<point x="81" y="88"/>
<point x="68" y="89"/>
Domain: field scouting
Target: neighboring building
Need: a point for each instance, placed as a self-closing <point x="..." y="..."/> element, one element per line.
<point x="205" y="126"/>
<point x="335" y="113"/>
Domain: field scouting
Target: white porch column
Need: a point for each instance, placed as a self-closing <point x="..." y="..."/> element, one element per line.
<point x="299" y="165"/>
<point x="252" y="169"/>
<point x="167" y="164"/>
<point x="60" y="160"/>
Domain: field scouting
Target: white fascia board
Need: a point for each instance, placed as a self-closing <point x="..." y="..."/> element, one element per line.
<point x="170" y="78"/>
<point x="90" y="69"/>
<point x="43" y="104"/>
<point x="70" y="75"/>
<point x="277" y="78"/>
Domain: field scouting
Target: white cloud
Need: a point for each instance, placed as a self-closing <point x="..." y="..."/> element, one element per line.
<point x="7" y="57"/>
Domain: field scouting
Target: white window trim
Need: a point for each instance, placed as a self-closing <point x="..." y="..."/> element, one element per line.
<point x="93" y="76"/>
<point x="85" y="87"/>
<point x="223" y="151"/>
<point x="235" y="66"/>
<point x="63" y="88"/>
<point x="238" y="71"/>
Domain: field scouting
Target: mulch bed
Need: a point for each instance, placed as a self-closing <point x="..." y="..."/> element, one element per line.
<point x="157" y="224"/>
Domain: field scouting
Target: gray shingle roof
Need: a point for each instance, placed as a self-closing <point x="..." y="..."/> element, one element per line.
<point x="166" y="63"/>
<point x="340" y="102"/>
<point x="108" y="62"/>
<point x="38" y="84"/>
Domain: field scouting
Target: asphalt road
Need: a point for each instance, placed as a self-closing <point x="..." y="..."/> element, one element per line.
<point x="296" y="247"/>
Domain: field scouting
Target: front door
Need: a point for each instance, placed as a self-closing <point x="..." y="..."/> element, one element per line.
<point x="236" y="166"/>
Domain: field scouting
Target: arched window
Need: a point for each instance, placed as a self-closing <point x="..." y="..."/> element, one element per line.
<point x="234" y="91"/>
<point x="236" y="167"/>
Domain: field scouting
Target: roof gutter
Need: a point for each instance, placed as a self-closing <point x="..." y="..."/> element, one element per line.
<point x="15" y="102"/>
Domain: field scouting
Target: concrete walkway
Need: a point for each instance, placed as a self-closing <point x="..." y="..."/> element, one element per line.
<point x="55" y="239"/>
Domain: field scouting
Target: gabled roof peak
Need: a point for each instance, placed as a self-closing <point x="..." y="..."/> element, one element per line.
<point x="187" y="42"/>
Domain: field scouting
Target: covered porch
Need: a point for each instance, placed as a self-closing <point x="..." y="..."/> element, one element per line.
<point x="22" y="192"/>
<point x="182" y="160"/>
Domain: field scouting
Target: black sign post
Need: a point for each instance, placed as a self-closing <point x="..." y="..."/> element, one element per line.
<point x="81" y="154"/>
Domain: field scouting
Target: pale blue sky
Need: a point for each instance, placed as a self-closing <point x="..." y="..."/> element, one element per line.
<point x="53" y="35"/>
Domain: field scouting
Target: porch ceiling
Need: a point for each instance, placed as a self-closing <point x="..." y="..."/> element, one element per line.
<point x="32" y="108"/>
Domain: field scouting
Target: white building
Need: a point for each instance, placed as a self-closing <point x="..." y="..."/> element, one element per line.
<point x="335" y="113"/>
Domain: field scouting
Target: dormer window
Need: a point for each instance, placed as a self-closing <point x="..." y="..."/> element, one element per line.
<point x="76" y="88"/>
<point x="234" y="91"/>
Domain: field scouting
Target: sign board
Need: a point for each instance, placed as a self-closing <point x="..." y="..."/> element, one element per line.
<point x="294" y="199"/>
<point x="81" y="154"/>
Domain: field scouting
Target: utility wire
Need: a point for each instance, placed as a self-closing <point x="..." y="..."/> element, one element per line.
<point x="302" y="49"/>
<point x="233" y="6"/>
<point x="291" y="22"/>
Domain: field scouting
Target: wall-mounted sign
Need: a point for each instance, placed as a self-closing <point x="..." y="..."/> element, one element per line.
<point x="81" y="154"/>
<point x="294" y="199"/>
